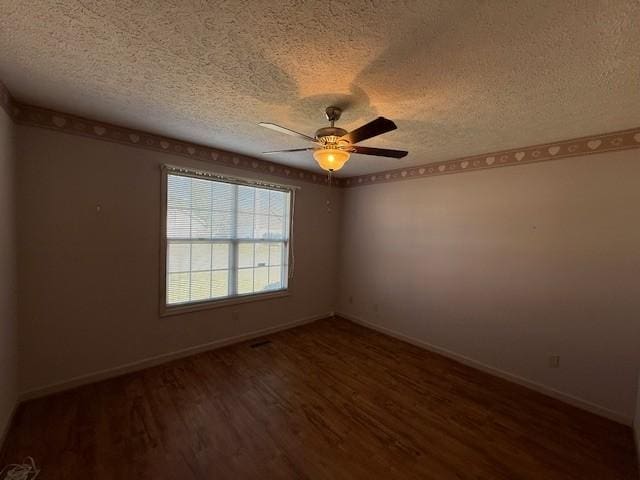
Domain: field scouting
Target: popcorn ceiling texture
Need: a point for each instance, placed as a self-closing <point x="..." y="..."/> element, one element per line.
<point x="459" y="78"/>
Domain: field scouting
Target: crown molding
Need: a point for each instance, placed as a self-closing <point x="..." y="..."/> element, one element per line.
<point x="589" y="145"/>
<point x="66" y="123"/>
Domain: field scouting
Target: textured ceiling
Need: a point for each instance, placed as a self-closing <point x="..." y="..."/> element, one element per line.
<point x="458" y="77"/>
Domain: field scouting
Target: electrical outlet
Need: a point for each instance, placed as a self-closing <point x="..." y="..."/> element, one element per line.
<point x="554" y="361"/>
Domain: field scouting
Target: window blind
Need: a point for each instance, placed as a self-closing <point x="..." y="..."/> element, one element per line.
<point x="224" y="238"/>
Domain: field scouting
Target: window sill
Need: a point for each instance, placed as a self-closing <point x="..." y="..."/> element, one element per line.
<point x="166" y="311"/>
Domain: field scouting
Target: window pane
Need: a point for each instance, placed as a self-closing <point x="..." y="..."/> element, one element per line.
<point x="200" y="194"/>
<point x="220" y="256"/>
<point x="260" y="279"/>
<point x="262" y="254"/>
<point x="246" y="199"/>
<point x="178" y="255"/>
<point x="200" y="256"/>
<point x="213" y="226"/>
<point x="275" y="254"/>
<point x="276" y="227"/>
<point x="262" y="201"/>
<point x="178" y="191"/>
<point x="178" y="223"/>
<point x="200" y="224"/>
<point x="261" y="227"/>
<point x="223" y="197"/>
<point x="177" y="288"/>
<point x="277" y="202"/>
<point x="275" y="277"/>
<point x="245" y="255"/>
<point x="222" y="224"/>
<point x="200" y="285"/>
<point x="245" y="281"/>
<point x="245" y="226"/>
<point x="219" y="283"/>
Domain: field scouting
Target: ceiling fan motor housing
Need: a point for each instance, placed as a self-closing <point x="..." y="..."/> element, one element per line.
<point x="330" y="135"/>
<point x="333" y="114"/>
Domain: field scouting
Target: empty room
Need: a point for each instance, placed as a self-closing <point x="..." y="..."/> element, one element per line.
<point x="303" y="239"/>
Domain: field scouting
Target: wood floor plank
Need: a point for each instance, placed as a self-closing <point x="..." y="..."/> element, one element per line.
<point x="328" y="400"/>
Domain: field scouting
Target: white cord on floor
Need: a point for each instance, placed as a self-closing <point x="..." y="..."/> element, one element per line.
<point x="25" y="471"/>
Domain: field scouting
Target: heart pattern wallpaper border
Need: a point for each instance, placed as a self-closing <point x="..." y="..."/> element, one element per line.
<point x="606" y="142"/>
<point x="44" y="118"/>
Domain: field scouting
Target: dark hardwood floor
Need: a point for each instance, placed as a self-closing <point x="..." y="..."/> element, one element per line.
<point x="329" y="400"/>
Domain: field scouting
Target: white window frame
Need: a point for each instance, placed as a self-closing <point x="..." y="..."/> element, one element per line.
<point x="233" y="299"/>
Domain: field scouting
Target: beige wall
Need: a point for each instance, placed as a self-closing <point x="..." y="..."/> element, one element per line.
<point x="8" y="321"/>
<point x="89" y="282"/>
<point x="504" y="266"/>
<point x="508" y="266"/>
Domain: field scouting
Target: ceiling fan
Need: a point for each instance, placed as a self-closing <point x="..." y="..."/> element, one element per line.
<point x="335" y="145"/>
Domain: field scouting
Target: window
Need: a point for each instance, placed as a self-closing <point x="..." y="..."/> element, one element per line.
<point x="224" y="239"/>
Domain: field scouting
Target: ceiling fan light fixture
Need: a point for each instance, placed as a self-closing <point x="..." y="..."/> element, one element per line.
<point x="334" y="145"/>
<point x="331" y="159"/>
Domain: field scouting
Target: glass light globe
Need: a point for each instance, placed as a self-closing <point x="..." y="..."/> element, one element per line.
<point x="331" y="159"/>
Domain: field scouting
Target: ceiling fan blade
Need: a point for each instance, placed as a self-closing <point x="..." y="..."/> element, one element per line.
<point x="288" y="151"/>
<point x="287" y="131"/>
<point x="372" y="129"/>
<point x="379" y="152"/>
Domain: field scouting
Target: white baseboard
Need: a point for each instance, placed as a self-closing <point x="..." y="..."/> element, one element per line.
<point x="551" y="392"/>
<point x="160" y="359"/>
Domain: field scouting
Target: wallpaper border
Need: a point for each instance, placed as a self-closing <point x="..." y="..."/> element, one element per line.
<point x="605" y="142"/>
<point x="31" y="115"/>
